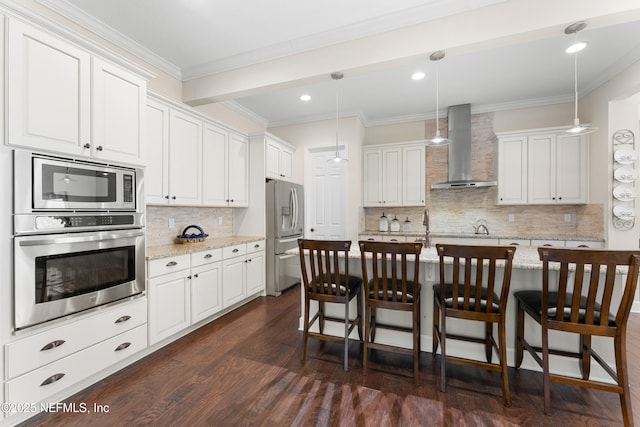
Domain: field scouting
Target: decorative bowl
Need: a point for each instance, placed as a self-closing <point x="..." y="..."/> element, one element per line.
<point x="191" y="238"/>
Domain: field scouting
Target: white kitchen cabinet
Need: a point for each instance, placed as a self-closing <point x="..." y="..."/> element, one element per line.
<point x="512" y="170"/>
<point x="541" y="167"/>
<point x="49" y="361"/>
<point x="413" y="175"/>
<point x="206" y="284"/>
<point x="393" y="175"/>
<point x="62" y="99"/>
<point x="279" y="159"/>
<point x="119" y="100"/>
<point x="225" y="167"/>
<point x="156" y="183"/>
<point x="243" y="271"/>
<point x="238" y="170"/>
<point x="169" y="294"/>
<point x="185" y="151"/>
<point x="48" y="91"/>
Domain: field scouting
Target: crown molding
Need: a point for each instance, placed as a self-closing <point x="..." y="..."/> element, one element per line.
<point x="77" y="15"/>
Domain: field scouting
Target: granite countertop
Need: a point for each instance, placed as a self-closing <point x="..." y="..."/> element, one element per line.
<point x="154" y="252"/>
<point x="476" y="236"/>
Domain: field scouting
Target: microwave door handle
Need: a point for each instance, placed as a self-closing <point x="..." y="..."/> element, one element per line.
<point x="49" y="240"/>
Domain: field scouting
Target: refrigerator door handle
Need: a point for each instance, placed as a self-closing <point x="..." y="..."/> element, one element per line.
<point x="294" y="222"/>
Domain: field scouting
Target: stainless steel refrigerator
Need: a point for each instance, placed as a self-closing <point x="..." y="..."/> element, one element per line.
<point x="285" y="225"/>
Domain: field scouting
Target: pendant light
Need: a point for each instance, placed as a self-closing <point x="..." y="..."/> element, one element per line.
<point x="437" y="140"/>
<point x="337" y="159"/>
<point x="577" y="128"/>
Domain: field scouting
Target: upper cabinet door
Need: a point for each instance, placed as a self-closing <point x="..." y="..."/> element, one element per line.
<point x="214" y="166"/>
<point x="392" y="176"/>
<point x="542" y="169"/>
<point x="118" y="107"/>
<point x="185" y="150"/>
<point x="512" y="170"/>
<point x="272" y="153"/>
<point x="156" y="175"/>
<point x="48" y="90"/>
<point x="413" y="175"/>
<point x="572" y="169"/>
<point x="372" y="178"/>
<point x="238" y="171"/>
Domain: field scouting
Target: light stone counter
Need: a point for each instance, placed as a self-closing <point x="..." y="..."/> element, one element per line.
<point x="154" y="252"/>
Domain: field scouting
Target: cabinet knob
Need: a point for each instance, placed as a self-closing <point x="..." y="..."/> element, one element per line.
<point x="52" y="379"/>
<point x="99" y="148"/>
<point x="195" y="275"/>
<point x="559" y="198"/>
<point x="166" y="197"/>
<point x="189" y="277"/>
<point x="122" y="346"/>
<point x="312" y="230"/>
<point x="87" y="145"/>
<point x="173" y="197"/>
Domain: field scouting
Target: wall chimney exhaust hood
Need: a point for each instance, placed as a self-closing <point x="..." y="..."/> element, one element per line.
<point x="459" y="117"/>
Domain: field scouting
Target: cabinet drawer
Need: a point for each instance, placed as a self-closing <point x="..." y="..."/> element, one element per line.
<point x="48" y="346"/>
<point x="256" y="246"/>
<point x="233" y="251"/>
<point x="516" y="242"/>
<point x="158" y="267"/>
<point x="540" y="242"/>
<point x="39" y="384"/>
<point x="206" y="257"/>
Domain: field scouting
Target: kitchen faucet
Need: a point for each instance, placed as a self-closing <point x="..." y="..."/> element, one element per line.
<point x="427" y="233"/>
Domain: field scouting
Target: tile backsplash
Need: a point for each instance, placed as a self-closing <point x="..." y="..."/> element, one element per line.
<point x="159" y="233"/>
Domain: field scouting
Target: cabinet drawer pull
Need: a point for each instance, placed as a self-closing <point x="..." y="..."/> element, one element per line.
<point x="171" y="263"/>
<point x="122" y="346"/>
<point x="207" y="256"/>
<point x="257" y="245"/>
<point x="99" y="148"/>
<point x="52" y="379"/>
<point x="235" y="250"/>
<point x="122" y="319"/>
<point x="52" y="345"/>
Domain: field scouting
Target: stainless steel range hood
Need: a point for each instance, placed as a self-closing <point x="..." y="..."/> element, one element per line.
<point x="459" y="118"/>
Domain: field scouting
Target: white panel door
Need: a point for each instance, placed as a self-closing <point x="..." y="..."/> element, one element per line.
<point x="156" y="175"/>
<point x="185" y="150"/>
<point x="214" y="166"/>
<point x="541" y="164"/>
<point x="234" y="272"/>
<point x="392" y="177"/>
<point x="238" y="170"/>
<point x="169" y="305"/>
<point x="326" y="195"/>
<point x="571" y="164"/>
<point x="273" y="159"/>
<point x="413" y="176"/>
<point x="206" y="291"/>
<point x="119" y="98"/>
<point x="255" y="272"/>
<point x="372" y="178"/>
<point x="286" y="163"/>
<point x="512" y="170"/>
<point x="48" y="91"/>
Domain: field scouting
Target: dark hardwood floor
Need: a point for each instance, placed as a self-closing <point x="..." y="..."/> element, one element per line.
<point x="244" y="370"/>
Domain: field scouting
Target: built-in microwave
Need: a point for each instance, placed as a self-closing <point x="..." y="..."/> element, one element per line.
<point x="45" y="183"/>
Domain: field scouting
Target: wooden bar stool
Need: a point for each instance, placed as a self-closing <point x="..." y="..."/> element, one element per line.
<point x="393" y="287"/>
<point x="468" y="295"/>
<point x="584" y="306"/>
<point x="325" y="276"/>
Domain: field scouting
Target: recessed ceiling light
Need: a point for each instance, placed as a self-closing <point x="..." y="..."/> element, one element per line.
<point x="305" y="97"/>
<point x="577" y="47"/>
<point x="419" y="75"/>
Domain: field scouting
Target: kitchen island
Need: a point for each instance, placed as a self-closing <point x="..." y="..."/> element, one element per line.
<point x="526" y="274"/>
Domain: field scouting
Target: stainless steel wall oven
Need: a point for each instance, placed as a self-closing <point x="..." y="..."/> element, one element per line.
<point x="78" y="236"/>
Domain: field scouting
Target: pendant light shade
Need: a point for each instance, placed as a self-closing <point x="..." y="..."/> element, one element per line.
<point x="438" y="139"/>
<point x="337" y="159"/>
<point x="577" y="128"/>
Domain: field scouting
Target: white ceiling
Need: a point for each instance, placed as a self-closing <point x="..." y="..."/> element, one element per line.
<point x="193" y="38"/>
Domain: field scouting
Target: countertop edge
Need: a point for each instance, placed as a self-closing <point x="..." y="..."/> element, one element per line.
<point x="164" y="251"/>
<point x="477" y="236"/>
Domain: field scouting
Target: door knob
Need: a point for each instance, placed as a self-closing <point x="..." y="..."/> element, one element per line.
<point x="313" y="229"/>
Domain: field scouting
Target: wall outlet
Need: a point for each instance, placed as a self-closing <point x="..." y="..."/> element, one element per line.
<point x="567" y="217"/>
<point x="512" y="217"/>
<point x="219" y="220"/>
<point x="172" y="223"/>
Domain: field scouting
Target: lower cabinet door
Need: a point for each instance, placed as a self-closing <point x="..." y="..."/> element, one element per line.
<point x="169" y="305"/>
<point x="233" y="280"/>
<point x="255" y="273"/>
<point x="206" y="291"/>
<point x="41" y="383"/>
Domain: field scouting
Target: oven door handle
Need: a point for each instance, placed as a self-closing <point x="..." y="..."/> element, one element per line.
<point x="93" y="237"/>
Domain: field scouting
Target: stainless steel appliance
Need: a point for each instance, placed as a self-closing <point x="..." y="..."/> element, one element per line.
<point x="78" y="236"/>
<point x="49" y="183"/>
<point x="285" y="225"/>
